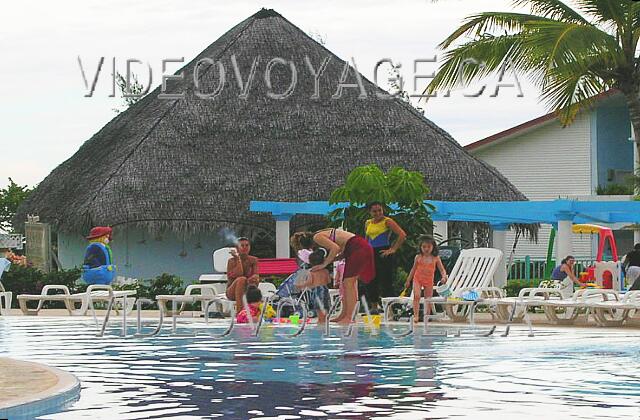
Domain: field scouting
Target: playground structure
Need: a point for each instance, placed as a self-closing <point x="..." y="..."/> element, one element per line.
<point x="606" y="271"/>
<point x="606" y="274"/>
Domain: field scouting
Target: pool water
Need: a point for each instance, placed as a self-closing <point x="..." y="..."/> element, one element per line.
<point x="559" y="373"/>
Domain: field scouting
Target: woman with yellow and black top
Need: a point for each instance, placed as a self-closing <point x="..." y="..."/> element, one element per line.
<point x="378" y="232"/>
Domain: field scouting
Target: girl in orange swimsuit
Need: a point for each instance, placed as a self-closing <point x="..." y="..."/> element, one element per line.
<point x="422" y="273"/>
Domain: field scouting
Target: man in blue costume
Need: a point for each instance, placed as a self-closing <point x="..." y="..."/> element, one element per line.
<point x="98" y="265"/>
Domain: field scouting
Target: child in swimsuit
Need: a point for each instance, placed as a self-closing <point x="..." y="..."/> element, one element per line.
<point x="317" y="281"/>
<point x="422" y="273"/>
<point x="254" y="299"/>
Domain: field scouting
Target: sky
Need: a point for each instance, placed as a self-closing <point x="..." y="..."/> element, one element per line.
<point x="45" y="117"/>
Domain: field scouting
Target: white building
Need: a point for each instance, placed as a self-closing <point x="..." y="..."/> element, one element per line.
<point x="545" y="161"/>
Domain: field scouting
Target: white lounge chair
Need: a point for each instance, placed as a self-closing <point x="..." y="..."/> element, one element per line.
<point x="473" y="270"/>
<point x="94" y="293"/>
<point x="566" y="311"/>
<point x="208" y="292"/>
<point x="220" y="259"/>
<point x="616" y="309"/>
<point x="5" y="297"/>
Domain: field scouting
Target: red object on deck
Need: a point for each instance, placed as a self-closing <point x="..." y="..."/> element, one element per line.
<point x="272" y="266"/>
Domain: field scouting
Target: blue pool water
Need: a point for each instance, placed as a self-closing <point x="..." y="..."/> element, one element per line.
<point x="559" y="373"/>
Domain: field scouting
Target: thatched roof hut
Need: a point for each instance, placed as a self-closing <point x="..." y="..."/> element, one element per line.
<point x="194" y="164"/>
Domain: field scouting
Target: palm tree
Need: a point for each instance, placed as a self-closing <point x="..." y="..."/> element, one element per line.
<point x="571" y="54"/>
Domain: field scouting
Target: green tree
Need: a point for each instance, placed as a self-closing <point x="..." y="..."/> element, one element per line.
<point x="10" y="199"/>
<point x="571" y="54"/>
<point x="405" y="190"/>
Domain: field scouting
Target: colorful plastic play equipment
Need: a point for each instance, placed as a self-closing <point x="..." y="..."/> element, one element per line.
<point x="605" y="235"/>
<point x="601" y="273"/>
<point x="605" y="274"/>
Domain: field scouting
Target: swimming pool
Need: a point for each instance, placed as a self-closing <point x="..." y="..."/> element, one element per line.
<point x="559" y="373"/>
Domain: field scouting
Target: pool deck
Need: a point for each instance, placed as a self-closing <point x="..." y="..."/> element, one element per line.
<point x="537" y="319"/>
<point x="27" y="387"/>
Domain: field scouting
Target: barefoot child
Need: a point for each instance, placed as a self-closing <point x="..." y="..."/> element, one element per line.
<point x="422" y="273"/>
<point x="317" y="281"/>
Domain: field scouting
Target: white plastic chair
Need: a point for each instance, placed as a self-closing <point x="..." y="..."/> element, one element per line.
<point x="94" y="293"/>
<point x="5" y="297"/>
<point x="473" y="270"/>
<point x="207" y="293"/>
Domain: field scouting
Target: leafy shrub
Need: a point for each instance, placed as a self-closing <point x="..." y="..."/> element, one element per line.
<point x="30" y="280"/>
<point x="514" y="286"/>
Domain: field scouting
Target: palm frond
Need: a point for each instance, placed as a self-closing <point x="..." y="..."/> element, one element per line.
<point x="611" y="11"/>
<point x="570" y="88"/>
<point x="477" y="59"/>
<point x="569" y="42"/>
<point x="482" y="23"/>
<point x="552" y="9"/>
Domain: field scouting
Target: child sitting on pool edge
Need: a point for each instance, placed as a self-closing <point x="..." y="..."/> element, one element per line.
<point x="254" y="300"/>
<point x="317" y="282"/>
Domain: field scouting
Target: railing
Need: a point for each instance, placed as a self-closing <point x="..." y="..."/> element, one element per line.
<point x="528" y="271"/>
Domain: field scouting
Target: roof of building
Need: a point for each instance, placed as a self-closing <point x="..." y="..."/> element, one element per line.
<point x="193" y="164"/>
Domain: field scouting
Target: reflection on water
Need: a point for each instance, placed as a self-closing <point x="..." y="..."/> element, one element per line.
<point x="559" y="373"/>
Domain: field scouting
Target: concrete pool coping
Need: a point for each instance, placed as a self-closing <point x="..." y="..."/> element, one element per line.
<point x="537" y="319"/>
<point x="29" y="388"/>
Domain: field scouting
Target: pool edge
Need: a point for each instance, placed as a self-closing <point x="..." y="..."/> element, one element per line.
<point x="66" y="389"/>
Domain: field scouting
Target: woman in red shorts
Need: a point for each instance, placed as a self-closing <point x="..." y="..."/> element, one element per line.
<point x="359" y="262"/>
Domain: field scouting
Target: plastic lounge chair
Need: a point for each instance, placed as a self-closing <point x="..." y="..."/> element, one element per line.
<point x="512" y="309"/>
<point x="473" y="270"/>
<point x="566" y="311"/>
<point x="208" y="292"/>
<point x="221" y="257"/>
<point x="5" y="297"/>
<point x="615" y="311"/>
<point x="94" y="293"/>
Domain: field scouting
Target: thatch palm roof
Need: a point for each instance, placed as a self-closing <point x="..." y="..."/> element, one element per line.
<point x="192" y="163"/>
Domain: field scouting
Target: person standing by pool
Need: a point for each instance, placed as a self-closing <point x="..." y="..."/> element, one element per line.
<point x="423" y="273"/>
<point x="242" y="272"/>
<point x="632" y="267"/>
<point x="565" y="278"/>
<point x="378" y="232"/>
<point x="359" y="264"/>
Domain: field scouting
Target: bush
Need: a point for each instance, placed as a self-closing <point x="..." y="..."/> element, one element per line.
<point x="514" y="286"/>
<point x="30" y="280"/>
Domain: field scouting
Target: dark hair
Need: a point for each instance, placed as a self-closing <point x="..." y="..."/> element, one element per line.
<point x="636" y="246"/>
<point x="567" y="258"/>
<point x="375" y="203"/>
<point x="317" y="256"/>
<point x="253" y="294"/>
<point x="429" y="240"/>
<point x="301" y="240"/>
<point x="242" y="238"/>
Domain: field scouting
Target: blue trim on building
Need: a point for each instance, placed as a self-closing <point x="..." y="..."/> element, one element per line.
<point x="493" y="212"/>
